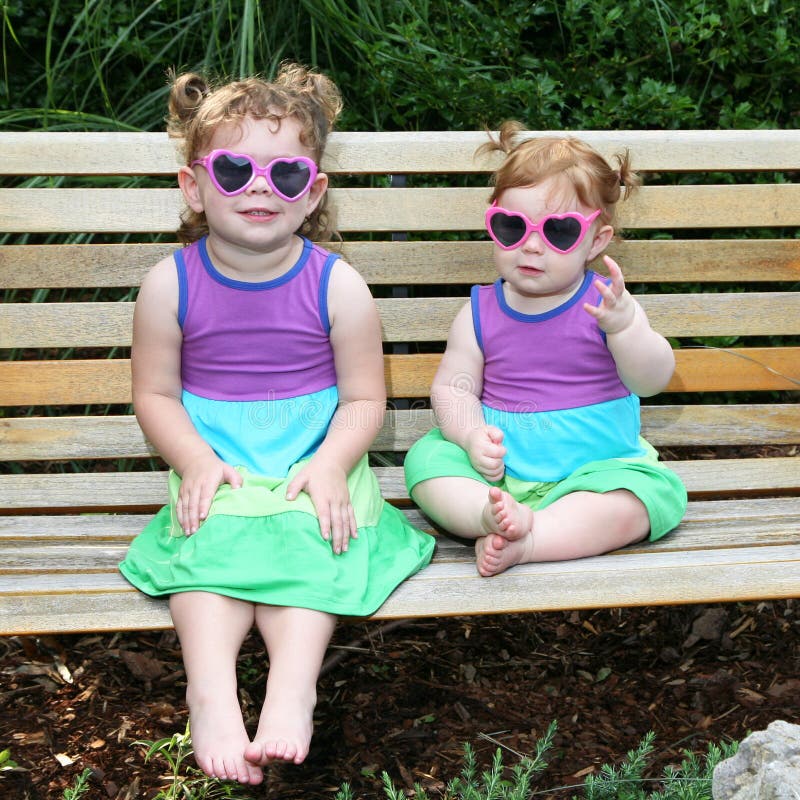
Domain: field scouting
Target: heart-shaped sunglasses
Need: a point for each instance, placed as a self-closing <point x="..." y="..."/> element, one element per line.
<point x="232" y="173"/>
<point x="560" y="232"/>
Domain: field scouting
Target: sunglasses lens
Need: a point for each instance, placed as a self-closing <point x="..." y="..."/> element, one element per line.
<point x="562" y="233"/>
<point x="291" y="178"/>
<point x="507" y="230"/>
<point x="232" y="172"/>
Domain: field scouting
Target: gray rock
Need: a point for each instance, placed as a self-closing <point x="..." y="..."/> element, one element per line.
<point x="766" y="766"/>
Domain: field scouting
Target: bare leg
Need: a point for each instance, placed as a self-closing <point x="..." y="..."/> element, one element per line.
<point x="459" y="505"/>
<point x="575" y="526"/>
<point x="211" y="629"/>
<point x="296" y="640"/>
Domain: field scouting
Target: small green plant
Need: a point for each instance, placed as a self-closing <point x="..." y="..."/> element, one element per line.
<point x="6" y="762"/>
<point x="691" y="780"/>
<point x="185" y="781"/>
<point x="79" y="787"/>
<point x="490" y="785"/>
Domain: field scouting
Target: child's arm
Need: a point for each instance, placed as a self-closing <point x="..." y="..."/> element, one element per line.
<point x="156" y="369"/>
<point x="356" y="340"/>
<point x="644" y="358"/>
<point x="455" y="397"/>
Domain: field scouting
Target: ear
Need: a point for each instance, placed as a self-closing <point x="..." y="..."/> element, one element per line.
<point x="187" y="181"/>
<point x="601" y="240"/>
<point x="316" y="192"/>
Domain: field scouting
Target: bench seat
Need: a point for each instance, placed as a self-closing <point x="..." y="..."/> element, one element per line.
<point x="78" y="479"/>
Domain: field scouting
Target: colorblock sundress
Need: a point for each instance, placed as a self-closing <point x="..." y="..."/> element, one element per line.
<point x="259" y="384"/>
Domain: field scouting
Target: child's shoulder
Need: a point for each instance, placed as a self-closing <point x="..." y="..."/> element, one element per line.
<point x="161" y="278"/>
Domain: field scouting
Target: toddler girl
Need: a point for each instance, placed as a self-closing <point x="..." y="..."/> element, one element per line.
<point x="538" y="455"/>
<point x="258" y="375"/>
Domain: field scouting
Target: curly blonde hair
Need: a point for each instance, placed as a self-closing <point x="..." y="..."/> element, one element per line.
<point x="197" y="109"/>
<point x="533" y="160"/>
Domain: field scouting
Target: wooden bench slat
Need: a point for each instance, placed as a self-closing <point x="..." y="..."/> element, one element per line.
<point x="420" y="319"/>
<point x="110" y="491"/>
<point x="106" y="602"/>
<point x="107" y="381"/>
<point x="68" y="545"/>
<point x="776" y="423"/>
<point x="739" y="261"/>
<point x="385" y="210"/>
<point x="69" y="528"/>
<point x="135" y="153"/>
<point x="79" y="437"/>
<point x="70" y="438"/>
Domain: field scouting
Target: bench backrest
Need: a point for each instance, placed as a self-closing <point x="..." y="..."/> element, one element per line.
<point x="80" y="238"/>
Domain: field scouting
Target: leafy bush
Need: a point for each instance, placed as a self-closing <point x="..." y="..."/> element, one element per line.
<point x="413" y="64"/>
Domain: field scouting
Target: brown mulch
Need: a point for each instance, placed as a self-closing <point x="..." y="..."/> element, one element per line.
<point x="404" y="697"/>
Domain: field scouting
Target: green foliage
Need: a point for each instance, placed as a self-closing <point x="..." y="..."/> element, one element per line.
<point x="80" y="786"/>
<point x="689" y="781"/>
<point x="414" y="64"/>
<point x="577" y="64"/>
<point x="6" y="762"/>
<point x="185" y="781"/>
<point x="101" y="64"/>
<point x="492" y="784"/>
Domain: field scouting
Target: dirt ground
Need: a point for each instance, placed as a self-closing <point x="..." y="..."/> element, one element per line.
<point x="404" y="697"/>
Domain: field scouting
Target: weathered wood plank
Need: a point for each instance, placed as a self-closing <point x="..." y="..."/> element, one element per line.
<point x="420" y="319"/>
<point x="104" y="601"/>
<point x="413" y="263"/>
<point x="125" y="490"/>
<point x="384" y="210"/>
<point x="135" y="153"/>
<point x="104" y="381"/>
<point x="79" y="437"/>
<point x="78" y="545"/>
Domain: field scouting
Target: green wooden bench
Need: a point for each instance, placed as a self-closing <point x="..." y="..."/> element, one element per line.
<point x="77" y="483"/>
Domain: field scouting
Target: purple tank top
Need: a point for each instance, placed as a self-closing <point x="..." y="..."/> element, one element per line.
<point x="255" y="341"/>
<point x="543" y="362"/>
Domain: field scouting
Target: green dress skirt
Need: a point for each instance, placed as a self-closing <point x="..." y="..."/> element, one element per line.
<point x="259" y="547"/>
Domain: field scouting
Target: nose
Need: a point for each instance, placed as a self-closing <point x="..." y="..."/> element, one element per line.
<point x="260" y="184"/>
<point x="533" y="243"/>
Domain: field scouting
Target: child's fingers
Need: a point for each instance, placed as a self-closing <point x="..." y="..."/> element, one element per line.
<point x="231" y="476"/>
<point x="337" y="523"/>
<point x="615" y="272"/>
<point x="193" y="506"/>
<point x="296" y="485"/>
<point x="593" y="310"/>
<point x="492" y="469"/>
<point x="340" y="529"/>
<point x="324" y="518"/>
<point x="495" y="434"/>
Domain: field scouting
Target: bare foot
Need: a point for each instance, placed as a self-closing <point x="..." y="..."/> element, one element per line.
<point x="505" y="516"/>
<point x="284" y="731"/>
<point x="495" y="554"/>
<point x="219" y="739"/>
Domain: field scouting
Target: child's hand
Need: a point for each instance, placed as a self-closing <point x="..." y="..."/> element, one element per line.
<point x="325" y="482"/>
<point x="199" y="484"/>
<point x="485" y="450"/>
<point x="617" y="309"/>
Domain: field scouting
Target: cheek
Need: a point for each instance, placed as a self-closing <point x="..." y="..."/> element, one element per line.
<point x="502" y="258"/>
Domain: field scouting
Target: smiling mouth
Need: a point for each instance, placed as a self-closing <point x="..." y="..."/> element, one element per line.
<point x="258" y="212"/>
